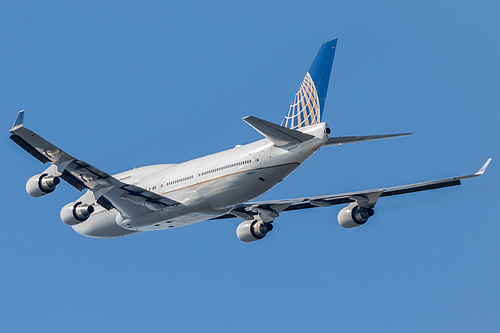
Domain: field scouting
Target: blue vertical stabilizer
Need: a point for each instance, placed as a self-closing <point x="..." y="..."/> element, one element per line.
<point x="307" y="106"/>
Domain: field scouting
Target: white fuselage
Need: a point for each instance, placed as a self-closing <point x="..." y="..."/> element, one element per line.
<point x="205" y="187"/>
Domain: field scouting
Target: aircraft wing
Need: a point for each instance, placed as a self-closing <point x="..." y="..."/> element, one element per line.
<point x="366" y="198"/>
<point x="109" y="192"/>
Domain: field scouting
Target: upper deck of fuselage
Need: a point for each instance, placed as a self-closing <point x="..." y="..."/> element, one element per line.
<point x="241" y="157"/>
<point x="142" y="172"/>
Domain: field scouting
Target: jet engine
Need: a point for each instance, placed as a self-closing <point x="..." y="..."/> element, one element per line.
<point x="251" y="230"/>
<point x="354" y="215"/>
<point x="41" y="184"/>
<point x="76" y="212"/>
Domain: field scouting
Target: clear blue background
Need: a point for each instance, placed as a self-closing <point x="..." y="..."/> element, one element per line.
<point x="121" y="84"/>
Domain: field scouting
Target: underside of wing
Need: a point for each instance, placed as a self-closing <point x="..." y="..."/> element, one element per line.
<point x="366" y="198"/>
<point x="109" y="192"/>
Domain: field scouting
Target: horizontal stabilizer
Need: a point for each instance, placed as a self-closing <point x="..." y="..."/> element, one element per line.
<point x="342" y="140"/>
<point x="281" y="136"/>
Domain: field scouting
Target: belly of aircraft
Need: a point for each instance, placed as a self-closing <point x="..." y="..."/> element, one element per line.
<point x="236" y="189"/>
<point x="202" y="202"/>
<point x="214" y="198"/>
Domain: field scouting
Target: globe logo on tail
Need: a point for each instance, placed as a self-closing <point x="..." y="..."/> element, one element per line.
<point x="305" y="109"/>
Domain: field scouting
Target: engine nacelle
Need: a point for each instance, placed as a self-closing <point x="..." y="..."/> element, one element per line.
<point x="251" y="230"/>
<point x="76" y="212"/>
<point x="41" y="184"/>
<point x="354" y="216"/>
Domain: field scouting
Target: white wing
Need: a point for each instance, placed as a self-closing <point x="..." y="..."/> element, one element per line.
<point x="109" y="192"/>
<point x="367" y="198"/>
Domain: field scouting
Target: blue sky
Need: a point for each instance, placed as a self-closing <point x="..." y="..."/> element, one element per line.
<point x="121" y="84"/>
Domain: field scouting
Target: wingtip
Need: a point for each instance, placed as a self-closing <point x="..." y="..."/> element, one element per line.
<point x="483" y="168"/>
<point x="19" y="120"/>
<point x="399" y="135"/>
<point x="332" y="43"/>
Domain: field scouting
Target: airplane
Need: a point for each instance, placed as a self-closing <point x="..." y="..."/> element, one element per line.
<point x="216" y="186"/>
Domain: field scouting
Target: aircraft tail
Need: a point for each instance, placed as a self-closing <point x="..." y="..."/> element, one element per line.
<point x="307" y="106"/>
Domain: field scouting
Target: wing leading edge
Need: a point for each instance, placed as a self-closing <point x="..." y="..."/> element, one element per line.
<point x="248" y="210"/>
